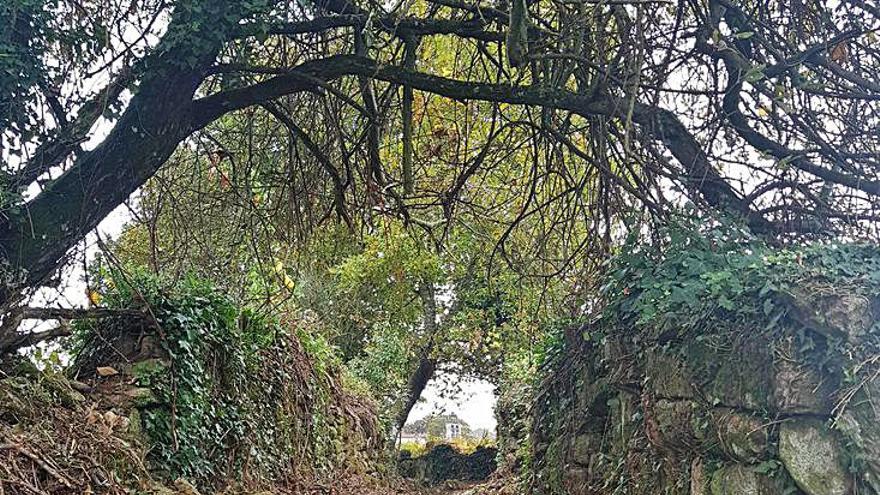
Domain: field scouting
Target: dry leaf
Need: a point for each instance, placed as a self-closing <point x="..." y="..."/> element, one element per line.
<point x="92" y="416"/>
<point x="840" y="53"/>
<point x="106" y="371"/>
<point x="95" y="297"/>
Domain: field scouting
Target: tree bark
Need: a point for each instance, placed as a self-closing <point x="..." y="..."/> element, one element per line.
<point x="158" y="117"/>
<point x="423" y="373"/>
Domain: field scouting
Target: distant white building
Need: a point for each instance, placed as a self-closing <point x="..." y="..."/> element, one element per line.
<point x="453" y="431"/>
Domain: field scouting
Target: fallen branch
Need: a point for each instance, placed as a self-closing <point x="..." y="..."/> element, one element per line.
<point x="19" y="340"/>
<point x="11" y="339"/>
<point x="46" y="467"/>
<point x="30" y="313"/>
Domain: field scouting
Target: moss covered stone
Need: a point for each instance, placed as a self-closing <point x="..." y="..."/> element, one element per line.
<point x="812" y="455"/>
<point x="742" y="437"/>
<point x="800" y="389"/>
<point x="848" y="316"/>
<point x="737" y="479"/>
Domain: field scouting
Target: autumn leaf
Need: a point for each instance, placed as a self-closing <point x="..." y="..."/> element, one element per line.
<point x="840" y="53"/>
<point x="105" y="371"/>
<point x="95" y="297"/>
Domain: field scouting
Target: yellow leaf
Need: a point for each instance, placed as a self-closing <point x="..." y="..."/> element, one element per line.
<point x="95" y="297"/>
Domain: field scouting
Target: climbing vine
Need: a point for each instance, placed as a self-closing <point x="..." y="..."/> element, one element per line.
<point x="233" y="395"/>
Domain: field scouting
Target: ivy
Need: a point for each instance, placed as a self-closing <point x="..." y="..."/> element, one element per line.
<point x="700" y="277"/>
<point x="236" y="396"/>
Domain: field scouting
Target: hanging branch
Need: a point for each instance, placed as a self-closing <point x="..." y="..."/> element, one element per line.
<point x="409" y="62"/>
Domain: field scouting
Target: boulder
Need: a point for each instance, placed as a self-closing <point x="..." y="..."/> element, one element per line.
<point x="668" y="376"/>
<point x="848" y="316"/>
<point x="673" y="425"/>
<point x="743" y="438"/>
<point x="811" y="454"/>
<point x="799" y="389"/>
<point x="860" y="425"/>
<point x="737" y="479"/>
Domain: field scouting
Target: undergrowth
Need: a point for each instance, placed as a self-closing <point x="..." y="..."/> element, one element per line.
<point x="702" y="287"/>
<point x="235" y="396"/>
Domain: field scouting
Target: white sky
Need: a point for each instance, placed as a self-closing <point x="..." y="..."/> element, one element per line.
<point x="475" y="403"/>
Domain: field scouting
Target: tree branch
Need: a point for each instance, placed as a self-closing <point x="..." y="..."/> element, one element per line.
<point x="398" y="26"/>
<point x="53" y="152"/>
<point x="662" y="125"/>
<point x="11" y="340"/>
<point x="315" y="150"/>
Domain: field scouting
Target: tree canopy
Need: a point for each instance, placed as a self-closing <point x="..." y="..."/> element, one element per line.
<point x="562" y="118"/>
<point x="436" y="182"/>
<point x="420" y="186"/>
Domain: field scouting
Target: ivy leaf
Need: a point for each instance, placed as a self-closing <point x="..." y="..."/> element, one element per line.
<point x="755" y="74"/>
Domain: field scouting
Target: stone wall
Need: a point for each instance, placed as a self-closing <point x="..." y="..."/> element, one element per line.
<point x="444" y="463"/>
<point x="739" y="411"/>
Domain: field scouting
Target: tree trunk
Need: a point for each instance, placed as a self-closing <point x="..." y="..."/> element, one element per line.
<point x="427" y="365"/>
<point x="417" y="383"/>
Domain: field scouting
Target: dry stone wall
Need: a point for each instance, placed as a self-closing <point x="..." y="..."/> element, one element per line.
<point x="733" y="412"/>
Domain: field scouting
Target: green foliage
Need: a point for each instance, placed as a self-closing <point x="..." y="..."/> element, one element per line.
<point x="24" y="34"/>
<point x="384" y="363"/>
<point x="386" y="274"/>
<point x="698" y="295"/>
<point x="434" y="426"/>
<point x="698" y="278"/>
<point x="234" y="395"/>
<point x="414" y="449"/>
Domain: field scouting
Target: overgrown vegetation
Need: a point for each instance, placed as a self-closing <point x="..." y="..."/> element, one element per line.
<point x="332" y="202"/>
<point x="233" y="397"/>
<point x="706" y="321"/>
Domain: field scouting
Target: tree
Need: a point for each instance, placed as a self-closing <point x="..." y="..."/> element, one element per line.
<point x="434" y="426"/>
<point x="765" y="112"/>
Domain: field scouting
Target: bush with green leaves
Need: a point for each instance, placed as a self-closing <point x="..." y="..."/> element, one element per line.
<point x="234" y="396"/>
<point x="698" y="277"/>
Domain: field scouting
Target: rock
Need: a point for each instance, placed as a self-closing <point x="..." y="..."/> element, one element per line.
<point x="577" y="480"/>
<point x="860" y="425"/>
<point x="62" y="389"/>
<point x="581" y="449"/>
<point x="668" y="376"/>
<point x="812" y="456"/>
<point x="847" y="315"/>
<point x="799" y="390"/>
<point x="743" y="438"/>
<point x="741" y="377"/>
<point x="674" y="425"/>
<point x="734" y="480"/>
<point x="737" y="479"/>
<point x="105" y="371"/>
<point x="184" y="487"/>
<point x="141" y="396"/>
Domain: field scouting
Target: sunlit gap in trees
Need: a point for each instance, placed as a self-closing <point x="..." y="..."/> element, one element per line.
<point x="451" y="397"/>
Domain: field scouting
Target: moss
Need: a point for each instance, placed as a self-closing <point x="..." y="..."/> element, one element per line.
<point x="668" y="375"/>
<point x="742" y="437"/>
<point x="142" y="370"/>
<point x="812" y="455"/>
